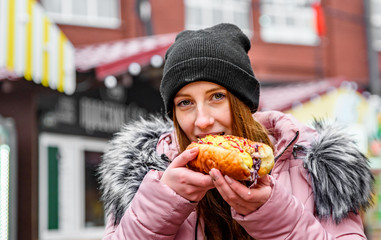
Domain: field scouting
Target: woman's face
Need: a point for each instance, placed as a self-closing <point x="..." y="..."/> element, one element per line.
<point x="203" y="108"/>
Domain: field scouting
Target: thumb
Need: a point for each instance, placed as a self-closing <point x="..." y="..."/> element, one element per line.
<point x="184" y="158"/>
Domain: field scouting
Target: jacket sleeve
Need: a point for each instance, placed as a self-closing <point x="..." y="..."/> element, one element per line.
<point x="156" y="212"/>
<point x="283" y="216"/>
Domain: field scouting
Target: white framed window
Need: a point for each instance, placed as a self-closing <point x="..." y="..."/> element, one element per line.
<point x="201" y="14"/>
<point x="288" y="22"/>
<point x="92" y="13"/>
<point x="69" y="200"/>
<point x="375" y="19"/>
<point x="8" y="179"/>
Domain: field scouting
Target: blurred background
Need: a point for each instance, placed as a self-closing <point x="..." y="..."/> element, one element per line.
<point x="72" y="72"/>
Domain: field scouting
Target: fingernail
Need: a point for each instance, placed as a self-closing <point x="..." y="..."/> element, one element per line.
<point x="228" y="179"/>
<point x="193" y="150"/>
<point x="213" y="174"/>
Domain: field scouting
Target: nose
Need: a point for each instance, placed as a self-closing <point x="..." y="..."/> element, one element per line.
<point x="204" y="118"/>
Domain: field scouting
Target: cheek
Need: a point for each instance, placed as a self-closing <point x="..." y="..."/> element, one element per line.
<point x="225" y="117"/>
<point x="185" y="123"/>
<point x="228" y="122"/>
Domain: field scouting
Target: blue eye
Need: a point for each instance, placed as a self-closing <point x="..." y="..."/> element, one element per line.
<point x="184" y="103"/>
<point x="219" y="96"/>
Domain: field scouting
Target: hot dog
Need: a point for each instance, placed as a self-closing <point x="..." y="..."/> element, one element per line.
<point x="237" y="157"/>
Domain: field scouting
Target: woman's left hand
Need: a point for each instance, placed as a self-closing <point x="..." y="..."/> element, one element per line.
<point x="244" y="200"/>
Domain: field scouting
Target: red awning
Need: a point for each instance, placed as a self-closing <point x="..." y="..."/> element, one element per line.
<point x="115" y="57"/>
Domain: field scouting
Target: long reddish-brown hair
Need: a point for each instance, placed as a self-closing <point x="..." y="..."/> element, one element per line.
<point x="212" y="208"/>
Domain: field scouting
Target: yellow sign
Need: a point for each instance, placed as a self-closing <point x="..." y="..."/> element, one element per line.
<point x="343" y="105"/>
<point x="31" y="45"/>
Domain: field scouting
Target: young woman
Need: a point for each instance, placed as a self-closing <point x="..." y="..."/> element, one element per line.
<point x="319" y="184"/>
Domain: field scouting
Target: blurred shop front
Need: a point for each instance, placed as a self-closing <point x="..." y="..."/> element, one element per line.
<point x="35" y="57"/>
<point x="73" y="134"/>
<point x="117" y="82"/>
<point x="336" y="101"/>
<point x="65" y="104"/>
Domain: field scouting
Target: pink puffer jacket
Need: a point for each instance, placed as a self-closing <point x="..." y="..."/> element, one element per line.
<point x="157" y="212"/>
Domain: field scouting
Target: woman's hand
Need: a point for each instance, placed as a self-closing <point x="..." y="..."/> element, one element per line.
<point x="189" y="184"/>
<point x="244" y="200"/>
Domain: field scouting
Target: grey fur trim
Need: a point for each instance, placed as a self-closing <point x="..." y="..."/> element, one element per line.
<point x="125" y="163"/>
<point x="341" y="178"/>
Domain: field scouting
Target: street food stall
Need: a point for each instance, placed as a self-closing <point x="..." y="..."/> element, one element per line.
<point x="33" y="49"/>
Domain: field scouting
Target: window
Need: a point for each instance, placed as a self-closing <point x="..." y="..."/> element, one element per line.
<point x="375" y="19"/>
<point x="69" y="199"/>
<point x="94" y="13"/>
<point x="94" y="214"/>
<point x="201" y="14"/>
<point x="288" y="21"/>
<point x="8" y="184"/>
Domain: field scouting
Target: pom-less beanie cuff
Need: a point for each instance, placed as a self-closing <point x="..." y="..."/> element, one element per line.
<point x="213" y="70"/>
<point x="217" y="54"/>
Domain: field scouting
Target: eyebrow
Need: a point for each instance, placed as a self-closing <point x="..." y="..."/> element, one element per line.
<point x="215" y="89"/>
<point x="208" y="91"/>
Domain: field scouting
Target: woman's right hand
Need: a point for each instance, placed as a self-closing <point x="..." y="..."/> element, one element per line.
<point x="189" y="184"/>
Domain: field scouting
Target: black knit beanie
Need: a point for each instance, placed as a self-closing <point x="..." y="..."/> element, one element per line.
<point x="217" y="54"/>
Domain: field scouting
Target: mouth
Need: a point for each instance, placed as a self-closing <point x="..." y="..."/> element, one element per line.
<point x="214" y="133"/>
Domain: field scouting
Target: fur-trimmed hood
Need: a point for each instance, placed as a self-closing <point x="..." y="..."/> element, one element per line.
<point x="131" y="154"/>
<point x="340" y="175"/>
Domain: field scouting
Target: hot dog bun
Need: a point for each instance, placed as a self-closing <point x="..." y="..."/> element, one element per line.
<point x="237" y="157"/>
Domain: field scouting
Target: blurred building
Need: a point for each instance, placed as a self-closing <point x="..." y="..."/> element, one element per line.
<point x="298" y="47"/>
